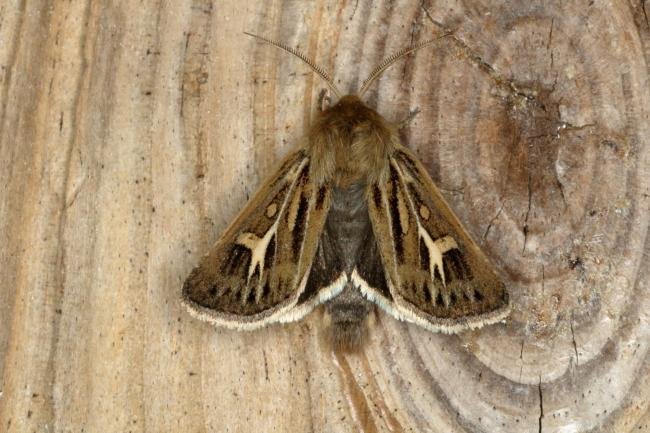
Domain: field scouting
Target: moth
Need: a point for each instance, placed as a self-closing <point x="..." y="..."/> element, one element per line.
<point x="350" y="220"/>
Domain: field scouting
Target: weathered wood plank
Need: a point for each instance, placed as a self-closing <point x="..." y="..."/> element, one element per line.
<point x="130" y="135"/>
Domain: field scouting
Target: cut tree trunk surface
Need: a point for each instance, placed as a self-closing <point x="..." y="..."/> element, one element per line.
<point x="131" y="133"/>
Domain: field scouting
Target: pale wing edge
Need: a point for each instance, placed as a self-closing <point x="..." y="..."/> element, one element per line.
<point x="297" y="312"/>
<point x="403" y="311"/>
<point x="282" y="314"/>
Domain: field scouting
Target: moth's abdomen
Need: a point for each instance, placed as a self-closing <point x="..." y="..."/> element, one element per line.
<point x="347" y="233"/>
<point x="348" y="312"/>
<point x="348" y="224"/>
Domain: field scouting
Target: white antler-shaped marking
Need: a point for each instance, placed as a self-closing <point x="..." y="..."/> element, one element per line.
<point x="258" y="247"/>
<point x="436" y="249"/>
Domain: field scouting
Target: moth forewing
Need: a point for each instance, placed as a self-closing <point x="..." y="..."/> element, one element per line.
<point x="257" y="271"/>
<point x="437" y="275"/>
<point x="422" y="186"/>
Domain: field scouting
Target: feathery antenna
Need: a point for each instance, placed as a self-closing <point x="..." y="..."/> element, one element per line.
<point x="320" y="71"/>
<point x="388" y="61"/>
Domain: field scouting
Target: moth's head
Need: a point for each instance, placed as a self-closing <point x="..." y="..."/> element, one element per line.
<point x="349" y="100"/>
<point x="349" y="107"/>
<point x="348" y="121"/>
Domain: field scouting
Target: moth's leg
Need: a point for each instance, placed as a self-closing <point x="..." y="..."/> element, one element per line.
<point x="324" y="100"/>
<point x="408" y="119"/>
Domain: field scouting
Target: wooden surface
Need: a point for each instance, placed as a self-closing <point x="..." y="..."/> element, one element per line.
<point x="131" y="133"/>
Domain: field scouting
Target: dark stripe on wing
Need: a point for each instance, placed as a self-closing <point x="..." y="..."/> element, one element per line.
<point x="395" y="222"/>
<point x="376" y="196"/>
<point x="424" y="256"/>
<point x="455" y="265"/>
<point x="298" y="232"/>
<point x="320" y="197"/>
<point x="408" y="162"/>
<point x="269" y="254"/>
<point x="238" y="259"/>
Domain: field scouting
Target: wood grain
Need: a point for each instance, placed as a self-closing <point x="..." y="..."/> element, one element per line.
<point x="131" y="134"/>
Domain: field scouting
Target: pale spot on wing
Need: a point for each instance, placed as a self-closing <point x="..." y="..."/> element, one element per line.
<point x="271" y="210"/>
<point x="424" y="212"/>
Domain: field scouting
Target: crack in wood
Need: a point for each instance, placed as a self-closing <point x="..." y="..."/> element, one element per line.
<point x="75" y="192"/>
<point x="266" y="366"/>
<point x="541" y="405"/>
<point x="573" y="338"/>
<point x="521" y="360"/>
<point x="548" y="44"/>
<point x="487" y="230"/>
<point x="530" y="200"/>
<point x="354" y="11"/>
